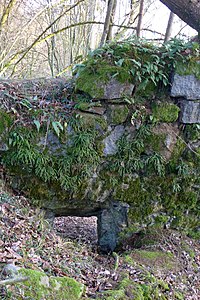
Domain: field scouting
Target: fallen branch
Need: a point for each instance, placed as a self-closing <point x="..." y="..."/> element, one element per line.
<point x="13" y="280"/>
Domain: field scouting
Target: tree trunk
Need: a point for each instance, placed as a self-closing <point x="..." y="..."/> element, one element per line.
<point x="112" y="16"/>
<point x="140" y="17"/>
<point x="187" y="10"/>
<point x="107" y="22"/>
<point x="169" y="27"/>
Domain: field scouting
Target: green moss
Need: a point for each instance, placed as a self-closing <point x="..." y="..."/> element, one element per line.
<point x="155" y="141"/>
<point x="190" y="67"/>
<point x="93" y="78"/>
<point x="138" y="196"/>
<point x="177" y="152"/>
<point x="152" y="255"/>
<point x="154" y="258"/>
<point x="93" y="122"/>
<point x="165" y="112"/>
<point x="192" y="132"/>
<point x="40" y="286"/>
<point x="128" y="289"/>
<point x="83" y="106"/>
<point x="119" y="114"/>
<point x="90" y="83"/>
<point x="146" y="92"/>
<point x="6" y="120"/>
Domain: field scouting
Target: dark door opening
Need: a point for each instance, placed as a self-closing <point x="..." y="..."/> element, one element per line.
<point x="80" y="229"/>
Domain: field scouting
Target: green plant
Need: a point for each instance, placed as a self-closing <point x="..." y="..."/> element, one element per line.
<point x="80" y="159"/>
<point x="136" y="61"/>
<point x="157" y="163"/>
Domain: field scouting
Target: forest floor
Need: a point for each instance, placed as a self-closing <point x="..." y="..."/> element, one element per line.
<point x="154" y="264"/>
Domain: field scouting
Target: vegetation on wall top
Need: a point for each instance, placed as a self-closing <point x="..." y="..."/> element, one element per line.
<point x="137" y="61"/>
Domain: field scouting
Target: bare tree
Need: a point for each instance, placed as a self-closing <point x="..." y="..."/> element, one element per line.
<point x="110" y="31"/>
<point x="110" y="7"/>
<point x="169" y="27"/>
<point x="140" y="17"/>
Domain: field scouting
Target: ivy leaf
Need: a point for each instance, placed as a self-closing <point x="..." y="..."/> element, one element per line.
<point x="60" y="125"/>
<point x="119" y="63"/>
<point x="57" y="126"/>
<point x="37" y="124"/>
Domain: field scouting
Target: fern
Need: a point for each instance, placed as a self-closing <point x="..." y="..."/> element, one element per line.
<point x="156" y="162"/>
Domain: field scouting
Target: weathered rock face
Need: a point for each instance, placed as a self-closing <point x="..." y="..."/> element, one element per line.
<point x="190" y="112"/>
<point x="111" y="222"/>
<point x="85" y="157"/>
<point x="110" y="142"/>
<point x="186" y="86"/>
<point x="113" y="89"/>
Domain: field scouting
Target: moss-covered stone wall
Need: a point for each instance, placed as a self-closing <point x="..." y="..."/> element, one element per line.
<point x="120" y="134"/>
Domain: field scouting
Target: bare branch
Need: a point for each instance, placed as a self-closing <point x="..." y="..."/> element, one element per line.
<point x="13" y="280"/>
<point x="6" y="13"/>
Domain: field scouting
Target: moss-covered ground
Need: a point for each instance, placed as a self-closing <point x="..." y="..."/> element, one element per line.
<point x="151" y="264"/>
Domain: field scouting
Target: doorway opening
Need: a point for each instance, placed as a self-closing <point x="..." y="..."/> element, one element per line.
<point x="80" y="229"/>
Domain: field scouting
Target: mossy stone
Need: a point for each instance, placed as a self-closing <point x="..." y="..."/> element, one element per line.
<point x="128" y="289"/>
<point x="192" y="67"/>
<point x="40" y="286"/>
<point x="155" y="141"/>
<point x="119" y="114"/>
<point x="93" y="122"/>
<point x="165" y="112"/>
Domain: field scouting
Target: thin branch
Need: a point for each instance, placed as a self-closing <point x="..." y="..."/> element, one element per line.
<point x="36" y="41"/>
<point x="6" y="13"/>
<point x="41" y="40"/>
<point x="181" y="30"/>
<point x="153" y="31"/>
<point x="47" y="7"/>
<point x="47" y="28"/>
<point x="13" y="280"/>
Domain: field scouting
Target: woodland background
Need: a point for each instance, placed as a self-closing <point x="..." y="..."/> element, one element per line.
<point x="45" y="38"/>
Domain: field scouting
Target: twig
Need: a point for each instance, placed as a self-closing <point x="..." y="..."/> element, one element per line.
<point x="192" y="150"/>
<point x="13" y="280"/>
<point x="116" y="257"/>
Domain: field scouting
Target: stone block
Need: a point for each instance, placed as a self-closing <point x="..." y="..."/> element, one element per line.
<point x="110" y="142"/>
<point x="115" y="90"/>
<point x="190" y="112"/>
<point x="110" y="223"/>
<point x="187" y="86"/>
